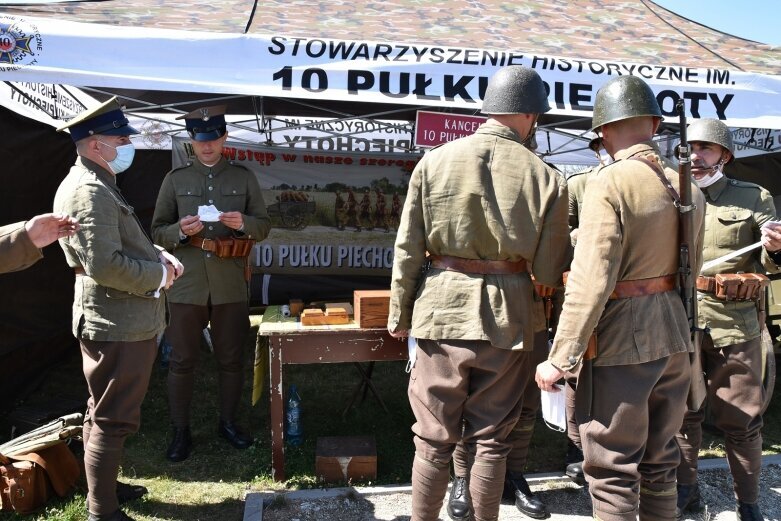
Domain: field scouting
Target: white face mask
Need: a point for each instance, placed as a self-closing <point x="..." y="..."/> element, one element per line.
<point x="125" y="155"/>
<point x="705" y="182"/>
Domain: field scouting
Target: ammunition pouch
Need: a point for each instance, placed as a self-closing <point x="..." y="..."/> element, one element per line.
<point x="734" y="286"/>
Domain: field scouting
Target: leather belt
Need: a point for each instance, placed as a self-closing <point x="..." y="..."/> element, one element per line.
<point x="643" y="287"/>
<point x="640" y="287"/>
<point x="477" y="266"/>
<point x="203" y="244"/>
<point x="78" y="270"/>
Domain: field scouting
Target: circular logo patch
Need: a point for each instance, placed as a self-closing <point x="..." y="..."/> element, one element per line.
<point x="155" y="134"/>
<point x="20" y="43"/>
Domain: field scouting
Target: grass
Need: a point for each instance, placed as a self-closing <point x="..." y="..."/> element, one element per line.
<point x="212" y="483"/>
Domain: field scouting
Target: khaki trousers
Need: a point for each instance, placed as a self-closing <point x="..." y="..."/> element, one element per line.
<point x="229" y="327"/>
<point x="468" y="389"/>
<point x="521" y="435"/>
<point x="733" y="375"/>
<point x="117" y="375"/>
<point x="629" y="439"/>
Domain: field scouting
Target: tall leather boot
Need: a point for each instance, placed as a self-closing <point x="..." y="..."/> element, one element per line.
<point x="459" y="506"/>
<point x="230" y="393"/>
<point x="181" y="443"/>
<point x="517" y="489"/>
<point x="688" y="499"/>
<point x="574" y="464"/>
<point x="749" y="512"/>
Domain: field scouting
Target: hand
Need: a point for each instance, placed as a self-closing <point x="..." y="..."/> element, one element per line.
<point x="169" y="260"/>
<point x="399" y="334"/>
<point x="233" y="220"/>
<point x="170" y="275"/>
<point x="771" y="236"/>
<point x="547" y="375"/>
<point x="190" y="225"/>
<point x="46" y="228"/>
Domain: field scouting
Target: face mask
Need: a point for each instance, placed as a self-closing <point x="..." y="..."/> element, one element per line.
<point x="705" y="182"/>
<point x="717" y="174"/>
<point x="125" y="155"/>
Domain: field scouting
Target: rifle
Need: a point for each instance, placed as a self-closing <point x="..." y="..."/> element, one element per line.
<point x="687" y="259"/>
<point x="686" y="233"/>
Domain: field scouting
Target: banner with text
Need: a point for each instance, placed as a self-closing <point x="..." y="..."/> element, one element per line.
<point x="333" y="213"/>
<point x="359" y="71"/>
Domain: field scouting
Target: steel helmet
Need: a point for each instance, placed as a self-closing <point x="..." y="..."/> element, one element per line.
<point x="711" y="131"/>
<point x="515" y="90"/>
<point x="624" y="97"/>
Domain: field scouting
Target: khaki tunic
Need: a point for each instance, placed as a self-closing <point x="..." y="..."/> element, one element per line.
<point x="114" y="301"/>
<point x="735" y="212"/>
<point x="628" y="231"/>
<point x="17" y="251"/>
<point x="229" y="187"/>
<point x="576" y="186"/>
<point x="481" y="197"/>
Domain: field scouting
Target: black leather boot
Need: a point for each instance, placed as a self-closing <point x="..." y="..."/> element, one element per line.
<point x="127" y="492"/>
<point x="749" y="512"/>
<point x="235" y="437"/>
<point x="179" y="449"/>
<point x="688" y="499"/>
<point x="574" y="462"/>
<point x="116" y="516"/>
<point x="516" y="488"/>
<point x="459" y="506"/>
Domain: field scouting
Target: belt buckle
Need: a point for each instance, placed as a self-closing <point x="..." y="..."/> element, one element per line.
<point x="203" y="244"/>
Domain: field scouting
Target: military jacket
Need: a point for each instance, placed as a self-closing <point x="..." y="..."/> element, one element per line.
<point x="735" y="212"/>
<point x="576" y="186"/>
<point x="229" y="187"/>
<point x="17" y="251"/>
<point x="484" y="196"/>
<point x="114" y="300"/>
<point x="628" y="231"/>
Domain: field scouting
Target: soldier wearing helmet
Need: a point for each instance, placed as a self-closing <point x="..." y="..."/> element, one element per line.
<point x="621" y="297"/>
<point x="737" y="214"/>
<point x="478" y="211"/>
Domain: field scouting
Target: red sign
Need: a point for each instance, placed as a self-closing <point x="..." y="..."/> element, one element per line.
<point x="435" y="128"/>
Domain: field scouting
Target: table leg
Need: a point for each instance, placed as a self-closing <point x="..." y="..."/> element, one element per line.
<point x="276" y="409"/>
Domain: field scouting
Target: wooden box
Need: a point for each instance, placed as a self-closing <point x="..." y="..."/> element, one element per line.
<point x="346" y="458"/>
<point x="332" y="316"/>
<point x="371" y="307"/>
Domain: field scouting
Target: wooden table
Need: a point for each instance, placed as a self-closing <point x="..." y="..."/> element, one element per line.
<point x="291" y="343"/>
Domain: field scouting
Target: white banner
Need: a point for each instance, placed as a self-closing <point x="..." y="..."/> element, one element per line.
<point x="43" y="50"/>
<point x="44" y="102"/>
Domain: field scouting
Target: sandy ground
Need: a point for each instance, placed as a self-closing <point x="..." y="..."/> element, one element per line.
<point x="564" y="499"/>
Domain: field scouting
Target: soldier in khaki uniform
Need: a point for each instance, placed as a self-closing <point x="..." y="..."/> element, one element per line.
<point x="630" y="398"/>
<point x="214" y="289"/>
<point x="737" y="214"/>
<point x="483" y="207"/>
<point x="118" y="306"/>
<point x="21" y="243"/>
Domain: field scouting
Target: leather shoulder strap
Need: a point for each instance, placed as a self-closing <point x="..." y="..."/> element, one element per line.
<point x="663" y="178"/>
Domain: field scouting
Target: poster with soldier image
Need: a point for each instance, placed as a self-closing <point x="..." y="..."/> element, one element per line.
<point x="332" y="212"/>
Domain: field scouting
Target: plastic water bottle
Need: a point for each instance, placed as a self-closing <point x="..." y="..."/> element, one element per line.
<point x="294" y="431"/>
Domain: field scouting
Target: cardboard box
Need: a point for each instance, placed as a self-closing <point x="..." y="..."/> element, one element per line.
<point x="346" y="458"/>
<point x="371" y="308"/>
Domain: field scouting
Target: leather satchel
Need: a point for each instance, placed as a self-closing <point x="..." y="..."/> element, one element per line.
<point x="28" y="481"/>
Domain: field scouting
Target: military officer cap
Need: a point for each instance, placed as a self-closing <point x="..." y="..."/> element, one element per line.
<point x="206" y="123"/>
<point x="106" y="119"/>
